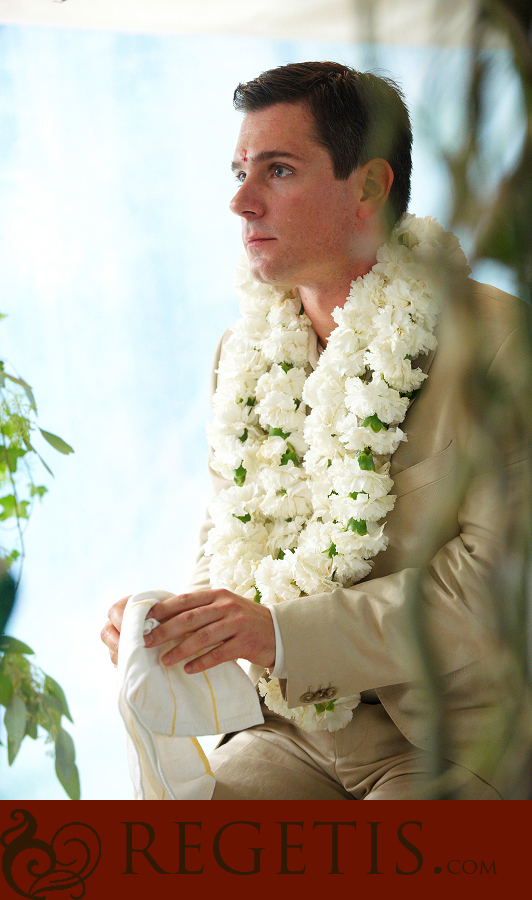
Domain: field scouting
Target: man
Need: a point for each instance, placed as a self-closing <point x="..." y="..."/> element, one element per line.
<point x="303" y="466"/>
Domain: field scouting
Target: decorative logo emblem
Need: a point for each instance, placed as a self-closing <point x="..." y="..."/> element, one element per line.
<point x="34" y="868"/>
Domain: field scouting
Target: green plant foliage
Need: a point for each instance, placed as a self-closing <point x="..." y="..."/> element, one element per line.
<point x="32" y="699"/>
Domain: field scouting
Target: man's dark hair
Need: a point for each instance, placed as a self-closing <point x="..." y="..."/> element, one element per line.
<point x="358" y="116"/>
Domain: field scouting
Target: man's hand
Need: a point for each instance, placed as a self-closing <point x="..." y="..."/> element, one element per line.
<point x="232" y="626"/>
<point x="110" y="633"/>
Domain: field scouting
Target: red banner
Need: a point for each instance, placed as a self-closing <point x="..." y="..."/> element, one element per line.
<point x="96" y="849"/>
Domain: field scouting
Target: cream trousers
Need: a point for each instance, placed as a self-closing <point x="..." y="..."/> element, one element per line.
<point x="370" y="759"/>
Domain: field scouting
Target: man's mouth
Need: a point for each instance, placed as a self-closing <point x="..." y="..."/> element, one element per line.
<point x="257" y="240"/>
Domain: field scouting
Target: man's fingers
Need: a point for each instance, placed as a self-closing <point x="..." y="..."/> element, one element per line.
<point x="116" y="613"/>
<point x="185" y="621"/>
<point x="110" y="636"/>
<point x="174" y="606"/>
<point x="222" y="652"/>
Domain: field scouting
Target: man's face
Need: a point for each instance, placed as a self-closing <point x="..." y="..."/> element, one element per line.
<point x="299" y="223"/>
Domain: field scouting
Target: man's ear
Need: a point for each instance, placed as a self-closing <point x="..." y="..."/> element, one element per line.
<point x="376" y="179"/>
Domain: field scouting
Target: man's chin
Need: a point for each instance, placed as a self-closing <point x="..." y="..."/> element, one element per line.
<point x="266" y="274"/>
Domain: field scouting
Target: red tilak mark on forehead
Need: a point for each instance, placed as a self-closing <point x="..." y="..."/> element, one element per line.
<point x="244" y="155"/>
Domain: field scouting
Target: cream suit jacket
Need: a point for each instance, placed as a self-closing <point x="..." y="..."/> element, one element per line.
<point x="361" y="637"/>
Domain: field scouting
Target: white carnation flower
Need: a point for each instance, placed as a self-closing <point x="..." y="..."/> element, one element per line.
<point x="273" y="578"/>
<point x="283" y="346"/>
<point x="363" y="508"/>
<point x="294" y="501"/>
<point x="347" y="477"/>
<point x="278" y="410"/>
<point x="375" y="398"/>
<point x="382" y="443"/>
<point x="286" y="315"/>
<point x="236" y="501"/>
<point x="282" y="535"/>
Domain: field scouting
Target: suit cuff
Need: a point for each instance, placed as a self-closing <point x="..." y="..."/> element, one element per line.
<point x="279" y="669"/>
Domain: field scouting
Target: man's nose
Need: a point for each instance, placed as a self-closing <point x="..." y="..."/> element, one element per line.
<point x="247" y="201"/>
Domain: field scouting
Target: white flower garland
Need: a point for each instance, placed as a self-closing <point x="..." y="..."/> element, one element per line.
<point x="311" y="491"/>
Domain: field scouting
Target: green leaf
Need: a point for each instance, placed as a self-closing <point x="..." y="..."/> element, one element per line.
<point x="245" y="518"/>
<point x="38" y="490"/>
<point x="13" y="454"/>
<point x="7" y="594"/>
<point x="6" y="689"/>
<point x="374" y="423"/>
<point x="11" y="645"/>
<point x="65" y="764"/>
<point x="278" y="432"/>
<point x="56" y="442"/>
<point x="258" y="595"/>
<point x="357" y="526"/>
<point x="244" y="437"/>
<point x="239" y="475"/>
<point x="250" y="401"/>
<point x="280" y="555"/>
<point x="290" y="455"/>
<point x="332" y="551"/>
<point x="365" y="460"/>
<point x="27" y="389"/>
<point x="15" y="722"/>
<point x="31" y="729"/>
<point x="13" y="509"/>
<point x="324" y="707"/>
<point x="287" y="366"/>
<point x="55" y="690"/>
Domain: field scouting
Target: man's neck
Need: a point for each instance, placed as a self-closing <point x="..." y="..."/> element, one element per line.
<point x="320" y="301"/>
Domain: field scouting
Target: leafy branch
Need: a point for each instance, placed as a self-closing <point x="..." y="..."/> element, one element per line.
<point x="32" y="699"/>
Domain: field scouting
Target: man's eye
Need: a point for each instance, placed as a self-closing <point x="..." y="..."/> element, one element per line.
<point x="240" y="176"/>
<point x="281" y="171"/>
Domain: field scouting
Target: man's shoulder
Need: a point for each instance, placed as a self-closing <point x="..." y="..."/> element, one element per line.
<point x="492" y="296"/>
<point x="496" y="313"/>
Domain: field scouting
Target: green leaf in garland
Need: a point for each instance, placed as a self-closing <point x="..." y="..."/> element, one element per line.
<point x="332" y="551"/>
<point x="357" y="526"/>
<point x="250" y="401"/>
<point x="287" y="366"/>
<point x="278" y="432"/>
<point x="365" y="460"/>
<point x="65" y="764"/>
<point x="245" y="518"/>
<point x="258" y="596"/>
<point x="239" y="475"/>
<point x="324" y="707"/>
<point x="290" y="455"/>
<point x="374" y="423"/>
<point x="56" y="442"/>
<point x="244" y="437"/>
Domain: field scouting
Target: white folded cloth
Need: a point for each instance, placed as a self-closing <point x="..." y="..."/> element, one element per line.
<point x="165" y="710"/>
